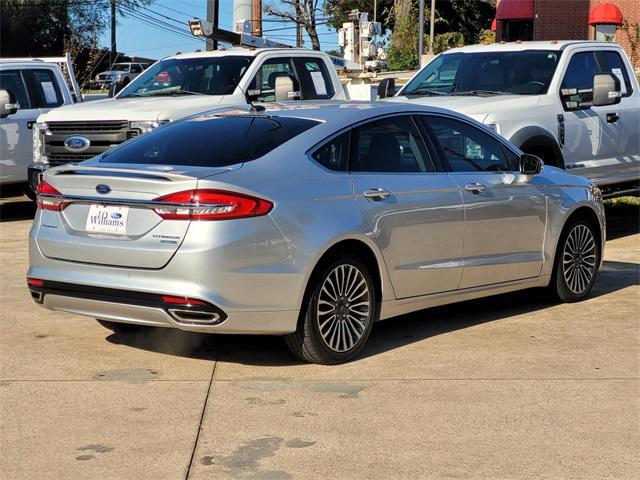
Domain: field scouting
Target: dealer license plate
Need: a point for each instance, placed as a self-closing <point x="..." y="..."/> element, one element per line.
<point x="107" y="219"/>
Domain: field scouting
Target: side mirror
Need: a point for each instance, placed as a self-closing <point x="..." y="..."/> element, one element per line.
<point x="387" y="88"/>
<point x="8" y="105"/>
<point x="530" y="164"/>
<point x="285" y="89"/>
<point x="606" y="90"/>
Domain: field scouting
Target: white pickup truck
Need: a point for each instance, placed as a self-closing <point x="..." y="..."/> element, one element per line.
<point x="28" y="88"/>
<point x="575" y="104"/>
<point x="178" y="86"/>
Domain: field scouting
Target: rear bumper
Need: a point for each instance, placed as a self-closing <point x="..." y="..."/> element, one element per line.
<point x="149" y="309"/>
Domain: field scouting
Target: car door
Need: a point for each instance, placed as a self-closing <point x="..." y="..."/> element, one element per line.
<point x="15" y="132"/>
<point x="505" y="214"/>
<point x="413" y="208"/>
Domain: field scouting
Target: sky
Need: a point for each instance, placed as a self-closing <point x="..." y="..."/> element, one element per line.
<point x="135" y="36"/>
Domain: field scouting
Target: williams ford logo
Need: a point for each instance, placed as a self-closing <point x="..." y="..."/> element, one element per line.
<point x="76" y="144"/>
<point x="116" y="216"/>
<point x="106" y="220"/>
<point x="103" y="189"/>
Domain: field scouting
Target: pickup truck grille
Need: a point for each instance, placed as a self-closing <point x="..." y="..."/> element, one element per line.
<point x="102" y="136"/>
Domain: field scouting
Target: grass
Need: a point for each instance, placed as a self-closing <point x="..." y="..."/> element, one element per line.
<point x="623" y="202"/>
<point x="104" y="90"/>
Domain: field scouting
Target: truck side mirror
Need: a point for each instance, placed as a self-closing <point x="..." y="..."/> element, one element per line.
<point x="606" y="90"/>
<point x="8" y="105"/>
<point x="530" y="164"/>
<point x="387" y="88"/>
<point x="285" y="89"/>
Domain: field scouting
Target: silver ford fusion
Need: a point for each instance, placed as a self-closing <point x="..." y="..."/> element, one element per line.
<point x="308" y="221"/>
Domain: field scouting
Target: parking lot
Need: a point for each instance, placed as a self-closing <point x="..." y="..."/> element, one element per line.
<point x="513" y="386"/>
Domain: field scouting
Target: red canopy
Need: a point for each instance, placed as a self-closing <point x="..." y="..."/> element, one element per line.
<point x="515" y="10"/>
<point x="494" y="25"/>
<point x="605" y="13"/>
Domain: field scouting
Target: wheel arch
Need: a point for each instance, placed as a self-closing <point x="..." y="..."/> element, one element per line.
<point x="585" y="212"/>
<point x="533" y="138"/>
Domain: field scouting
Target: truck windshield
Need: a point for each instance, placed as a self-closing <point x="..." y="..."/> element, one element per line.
<point x="527" y="72"/>
<point x="203" y="76"/>
<point x="120" y="67"/>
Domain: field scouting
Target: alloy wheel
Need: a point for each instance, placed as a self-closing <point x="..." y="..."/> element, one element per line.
<point x="344" y="309"/>
<point x="579" y="259"/>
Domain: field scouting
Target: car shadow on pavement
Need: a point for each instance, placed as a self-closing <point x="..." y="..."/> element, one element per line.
<point x="622" y="221"/>
<point x="386" y="335"/>
<point x="21" y="209"/>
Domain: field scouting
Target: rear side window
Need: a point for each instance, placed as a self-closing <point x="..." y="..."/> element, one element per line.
<point x="314" y="78"/>
<point x="11" y="80"/>
<point x="210" y="141"/>
<point x="45" y="88"/>
<point x="611" y="62"/>
<point x="334" y="154"/>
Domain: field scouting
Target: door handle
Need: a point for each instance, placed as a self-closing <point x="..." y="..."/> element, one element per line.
<point x="612" y="117"/>
<point x="475" y="188"/>
<point x="376" y="193"/>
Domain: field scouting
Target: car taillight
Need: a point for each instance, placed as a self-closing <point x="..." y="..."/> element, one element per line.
<point x="211" y="205"/>
<point x="46" y="203"/>
<point x="181" y="300"/>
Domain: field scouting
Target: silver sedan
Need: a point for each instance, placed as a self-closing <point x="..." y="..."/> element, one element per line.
<point x="311" y="221"/>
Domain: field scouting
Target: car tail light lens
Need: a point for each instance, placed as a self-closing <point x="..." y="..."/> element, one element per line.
<point x="181" y="300"/>
<point x="211" y="205"/>
<point x="46" y="203"/>
<point x="35" y="282"/>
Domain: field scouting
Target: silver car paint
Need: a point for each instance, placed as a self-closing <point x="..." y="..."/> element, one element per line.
<point x="257" y="269"/>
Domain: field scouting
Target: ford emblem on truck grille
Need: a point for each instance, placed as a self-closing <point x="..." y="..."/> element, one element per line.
<point x="103" y="189"/>
<point x="76" y="144"/>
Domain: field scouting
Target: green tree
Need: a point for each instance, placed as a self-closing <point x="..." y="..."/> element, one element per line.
<point x="337" y="11"/>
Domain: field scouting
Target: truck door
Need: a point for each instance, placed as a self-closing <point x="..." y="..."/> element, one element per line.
<point x="15" y="134"/>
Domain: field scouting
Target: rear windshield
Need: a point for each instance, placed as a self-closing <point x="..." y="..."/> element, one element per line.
<point x="210" y="141"/>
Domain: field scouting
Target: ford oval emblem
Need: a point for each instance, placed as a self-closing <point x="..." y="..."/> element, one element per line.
<point x="76" y="144"/>
<point x="116" y="215"/>
<point x="103" y="189"/>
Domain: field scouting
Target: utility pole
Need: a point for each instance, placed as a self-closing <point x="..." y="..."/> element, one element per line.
<point x="114" y="51"/>
<point x="432" y="23"/>
<point x="299" y="41"/>
<point x="420" y="33"/>
<point x="256" y="25"/>
<point x="212" y="16"/>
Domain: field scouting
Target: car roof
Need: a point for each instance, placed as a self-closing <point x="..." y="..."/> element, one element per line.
<point x="336" y="114"/>
<point x="520" y="46"/>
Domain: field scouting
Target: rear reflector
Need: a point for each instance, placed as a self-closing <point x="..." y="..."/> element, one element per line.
<point x="35" y="282"/>
<point x="182" y="300"/>
<point x="211" y="205"/>
<point x="46" y="203"/>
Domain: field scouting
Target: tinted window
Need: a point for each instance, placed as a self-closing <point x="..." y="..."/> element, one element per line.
<point x="136" y="68"/>
<point x="264" y="82"/>
<point x="210" y="141"/>
<point x="204" y="75"/>
<point x="391" y="145"/>
<point x="45" y="88"/>
<point x="466" y="148"/>
<point x="525" y="73"/>
<point x="611" y="62"/>
<point x="577" y="85"/>
<point x="334" y="154"/>
<point x="315" y="79"/>
<point x="11" y="80"/>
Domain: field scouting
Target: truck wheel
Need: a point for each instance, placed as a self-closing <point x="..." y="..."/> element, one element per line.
<point x="577" y="261"/>
<point x="337" y="317"/>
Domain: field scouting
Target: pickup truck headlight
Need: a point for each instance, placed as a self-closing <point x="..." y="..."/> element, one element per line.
<point x="39" y="130"/>
<point x="147" y="126"/>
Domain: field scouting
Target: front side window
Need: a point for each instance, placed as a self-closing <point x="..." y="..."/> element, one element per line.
<point x="11" y="80"/>
<point x="263" y="85"/>
<point x="334" y="154"/>
<point x="46" y="91"/>
<point x="189" y="76"/>
<point x="466" y="148"/>
<point x="390" y="145"/>
<point x="577" y="84"/>
<point x="526" y="72"/>
<point x="210" y="140"/>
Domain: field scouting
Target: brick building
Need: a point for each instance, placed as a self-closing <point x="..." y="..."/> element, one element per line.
<point x="568" y="20"/>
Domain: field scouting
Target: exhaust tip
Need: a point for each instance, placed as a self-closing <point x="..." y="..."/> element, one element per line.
<point x="194" y="317"/>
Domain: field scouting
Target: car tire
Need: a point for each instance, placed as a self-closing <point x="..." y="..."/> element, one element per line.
<point x="121" y="328"/>
<point x="338" y="313"/>
<point x="577" y="261"/>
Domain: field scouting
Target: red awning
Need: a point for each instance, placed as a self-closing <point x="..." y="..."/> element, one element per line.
<point x="515" y="10"/>
<point x="605" y="13"/>
<point x="494" y="25"/>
